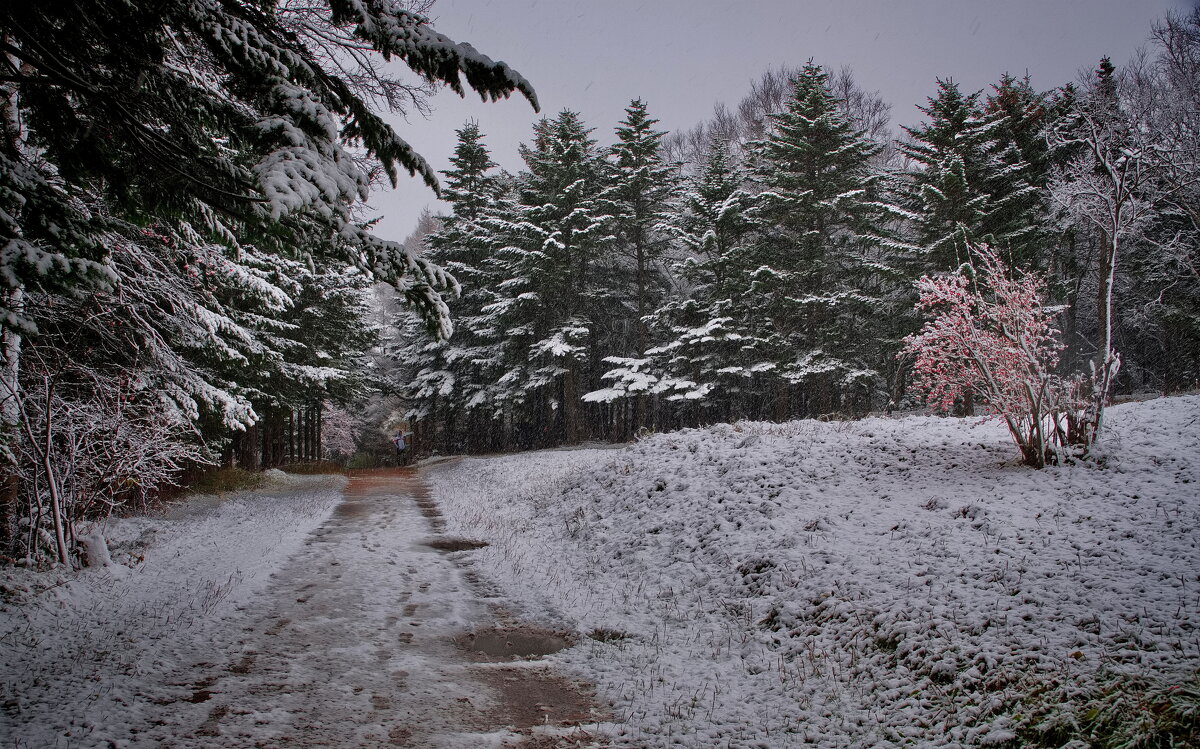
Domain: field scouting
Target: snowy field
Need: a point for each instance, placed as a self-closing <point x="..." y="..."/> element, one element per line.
<point x="82" y="655"/>
<point x="887" y="582"/>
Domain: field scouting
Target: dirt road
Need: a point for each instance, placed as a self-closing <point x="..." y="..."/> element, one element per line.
<point x="377" y="634"/>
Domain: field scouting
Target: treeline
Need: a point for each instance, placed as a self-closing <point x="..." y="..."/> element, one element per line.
<point x="762" y="266"/>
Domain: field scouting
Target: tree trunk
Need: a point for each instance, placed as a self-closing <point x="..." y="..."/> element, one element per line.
<point x="639" y="411"/>
<point x="307" y="432"/>
<point x="57" y="505"/>
<point x="318" y="418"/>
<point x="570" y="407"/>
<point x="967" y="405"/>
<point x="10" y="340"/>
<point x="1104" y="298"/>
<point x="779" y="404"/>
<point x="1106" y="362"/>
<point x="10" y="416"/>
<point x="251" y="457"/>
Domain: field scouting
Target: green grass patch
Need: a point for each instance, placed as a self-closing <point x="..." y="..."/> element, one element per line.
<point x="226" y="480"/>
<point x="370" y="460"/>
<point x="313" y="468"/>
<point x="1117" y="712"/>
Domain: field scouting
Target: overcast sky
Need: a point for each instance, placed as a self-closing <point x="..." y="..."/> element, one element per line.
<point x="684" y="56"/>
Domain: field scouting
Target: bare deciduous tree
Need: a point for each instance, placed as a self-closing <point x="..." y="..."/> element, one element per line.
<point x="91" y="441"/>
<point x="748" y="120"/>
<point x="1129" y="169"/>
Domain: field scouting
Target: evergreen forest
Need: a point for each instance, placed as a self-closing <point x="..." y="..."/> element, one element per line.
<point x="190" y="281"/>
<point x="761" y="266"/>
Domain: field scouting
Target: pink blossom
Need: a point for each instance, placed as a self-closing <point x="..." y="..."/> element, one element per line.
<point x="992" y="338"/>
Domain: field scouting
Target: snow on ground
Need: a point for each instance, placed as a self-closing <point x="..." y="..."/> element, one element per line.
<point x="315" y="614"/>
<point x="877" y="583"/>
<point x="82" y="653"/>
<point x="886" y="582"/>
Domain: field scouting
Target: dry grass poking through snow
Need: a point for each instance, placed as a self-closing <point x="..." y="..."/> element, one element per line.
<point x="876" y="583"/>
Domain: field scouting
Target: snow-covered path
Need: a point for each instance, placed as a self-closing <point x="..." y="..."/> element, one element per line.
<point x="327" y="655"/>
<point x="350" y="643"/>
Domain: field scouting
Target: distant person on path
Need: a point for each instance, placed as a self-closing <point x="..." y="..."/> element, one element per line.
<point x="400" y="440"/>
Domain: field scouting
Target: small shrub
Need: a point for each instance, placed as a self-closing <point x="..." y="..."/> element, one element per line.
<point x="991" y="339"/>
<point x="365" y="460"/>
<point x="603" y="634"/>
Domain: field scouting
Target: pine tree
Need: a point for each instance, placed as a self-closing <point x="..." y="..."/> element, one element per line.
<point x="219" y="114"/>
<point x="1019" y="117"/>
<point x="971" y="181"/>
<point x="639" y="188"/>
<point x="699" y="354"/>
<point x="714" y="222"/>
<point x="811" y="281"/>
<point x="551" y="239"/>
<point x="457" y="374"/>
<point x="945" y="189"/>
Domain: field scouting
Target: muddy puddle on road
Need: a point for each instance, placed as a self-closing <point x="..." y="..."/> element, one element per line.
<point x="384" y="481"/>
<point x="450" y="543"/>
<point x="528" y="698"/>
<point x="512" y="643"/>
<point x="352" y="510"/>
<point x="390" y="481"/>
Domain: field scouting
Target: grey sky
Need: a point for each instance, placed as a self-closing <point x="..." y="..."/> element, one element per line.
<point x="682" y="57"/>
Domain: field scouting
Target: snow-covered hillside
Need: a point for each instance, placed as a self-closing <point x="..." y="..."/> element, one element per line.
<point x="886" y="582"/>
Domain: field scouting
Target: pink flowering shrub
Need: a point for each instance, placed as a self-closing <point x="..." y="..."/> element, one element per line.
<point x="992" y="339"/>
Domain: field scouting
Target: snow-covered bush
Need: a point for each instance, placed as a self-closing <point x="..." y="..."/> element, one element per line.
<point x="992" y="338"/>
<point x="90" y="442"/>
<point x="337" y="434"/>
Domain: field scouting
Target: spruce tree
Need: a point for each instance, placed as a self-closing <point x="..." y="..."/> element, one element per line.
<point x="219" y="114"/>
<point x="945" y="189"/>
<point x="811" y="282"/>
<point x="1017" y="116"/>
<point x="972" y="180"/>
<point x="550" y="241"/>
<point x="699" y="351"/>
<point x="639" y="186"/>
<point x="456" y="374"/>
